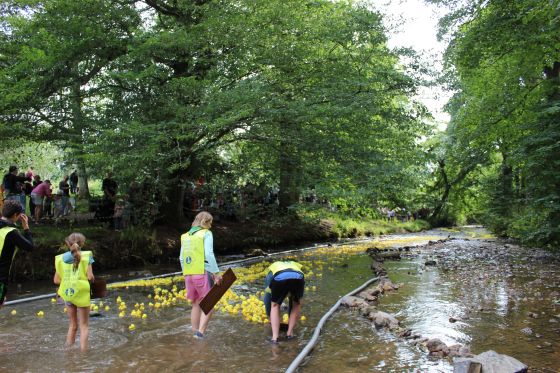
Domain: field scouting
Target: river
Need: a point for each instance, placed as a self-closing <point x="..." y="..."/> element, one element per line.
<point x="493" y="289"/>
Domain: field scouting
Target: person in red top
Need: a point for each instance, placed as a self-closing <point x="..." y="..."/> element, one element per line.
<point x="38" y="194"/>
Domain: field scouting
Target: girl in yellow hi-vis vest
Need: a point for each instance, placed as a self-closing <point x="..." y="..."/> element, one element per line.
<point x="73" y="274"/>
<point x="199" y="268"/>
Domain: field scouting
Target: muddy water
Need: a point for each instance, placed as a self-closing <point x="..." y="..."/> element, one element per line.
<point x="462" y="283"/>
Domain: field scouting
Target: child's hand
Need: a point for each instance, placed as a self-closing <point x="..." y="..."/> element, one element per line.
<point x="217" y="279"/>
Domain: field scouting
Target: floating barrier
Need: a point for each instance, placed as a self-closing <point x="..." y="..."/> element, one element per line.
<point x="313" y="341"/>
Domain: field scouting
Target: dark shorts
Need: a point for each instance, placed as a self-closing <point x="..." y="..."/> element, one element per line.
<point x="280" y="289"/>
<point x="3" y="291"/>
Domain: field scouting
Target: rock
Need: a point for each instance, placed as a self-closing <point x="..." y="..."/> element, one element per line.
<point x="532" y="314"/>
<point x="430" y="263"/>
<point x="553" y="321"/>
<point x="352" y="301"/>
<point x="367" y="296"/>
<point x="467" y="366"/>
<point x="255" y="252"/>
<point x="366" y="311"/>
<point x="435" y="344"/>
<point x="490" y="362"/>
<point x="404" y="333"/>
<point x="452" y="320"/>
<point x="527" y="331"/>
<point x="383" y="320"/>
<point x="385" y="285"/>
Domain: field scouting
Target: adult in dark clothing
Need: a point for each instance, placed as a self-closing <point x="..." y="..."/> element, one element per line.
<point x="12" y="184"/>
<point x="73" y="182"/>
<point x="65" y="188"/>
<point x="109" y="188"/>
<point x="10" y="238"/>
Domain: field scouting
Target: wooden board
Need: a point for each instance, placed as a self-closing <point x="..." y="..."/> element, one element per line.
<point x="217" y="291"/>
<point x="283" y="327"/>
<point x="98" y="288"/>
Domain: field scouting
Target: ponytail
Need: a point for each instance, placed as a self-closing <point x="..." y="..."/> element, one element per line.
<point x="75" y="241"/>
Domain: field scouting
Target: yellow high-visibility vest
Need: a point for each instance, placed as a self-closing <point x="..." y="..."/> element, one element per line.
<point x="74" y="285"/>
<point x="192" y="250"/>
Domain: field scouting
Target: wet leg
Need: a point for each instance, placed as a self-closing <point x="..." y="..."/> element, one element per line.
<point x="294" y="316"/>
<point x="275" y="320"/>
<point x="73" y="325"/>
<point x="83" y="318"/>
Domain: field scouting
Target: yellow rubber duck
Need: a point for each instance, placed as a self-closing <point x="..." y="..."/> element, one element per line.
<point x="40" y="314"/>
<point x="13" y="313"/>
<point x="131" y="327"/>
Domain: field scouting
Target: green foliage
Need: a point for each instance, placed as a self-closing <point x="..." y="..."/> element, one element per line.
<point x="47" y="160"/>
<point x="504" y="125"/>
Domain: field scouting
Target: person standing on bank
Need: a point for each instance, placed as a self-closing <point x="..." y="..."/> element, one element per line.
<point x="65" y="188"/>
<point x="11" y="182"/>
<point x="284" y="278"/>
<point x="74" y="182"/>
<point x="10" y="240"/>
<point x="199" y="268"/>
<point x="74" y="274"/>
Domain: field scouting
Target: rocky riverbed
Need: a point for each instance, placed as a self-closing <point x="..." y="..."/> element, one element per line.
<point x="465" y="304"/>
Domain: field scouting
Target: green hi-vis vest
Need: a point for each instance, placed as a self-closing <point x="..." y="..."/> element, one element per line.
<point x="192" y="252"/>
<point x="281" y="266"/>
<point x="3" y="233"/>
<point x="74" y="285"/>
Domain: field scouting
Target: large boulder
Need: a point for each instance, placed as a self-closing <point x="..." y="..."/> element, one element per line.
<point x="490" y="362"/>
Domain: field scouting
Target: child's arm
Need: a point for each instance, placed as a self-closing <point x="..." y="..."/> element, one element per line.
<point x="90" y="273"/>
<point x="56" y="279"/>
<point x="210" y="258"/>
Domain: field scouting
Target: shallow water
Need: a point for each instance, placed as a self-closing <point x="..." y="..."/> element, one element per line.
<point x="163" y="341"/>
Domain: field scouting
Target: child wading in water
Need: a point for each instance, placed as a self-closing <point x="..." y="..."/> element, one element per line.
<point x="199" y="267"/>
<point x="73" y="274"/>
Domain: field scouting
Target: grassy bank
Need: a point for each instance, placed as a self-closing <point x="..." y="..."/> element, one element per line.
<point x="345" y="226"/>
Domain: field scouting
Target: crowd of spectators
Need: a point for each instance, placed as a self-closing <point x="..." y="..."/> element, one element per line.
<point x="36" y="195"/>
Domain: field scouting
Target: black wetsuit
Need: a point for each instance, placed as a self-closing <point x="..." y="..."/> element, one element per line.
<point x="13" y="239"/>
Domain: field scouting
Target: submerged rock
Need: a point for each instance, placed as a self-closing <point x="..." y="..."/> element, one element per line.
<point x="489" y="362"/>
<point x="527" y="331"/>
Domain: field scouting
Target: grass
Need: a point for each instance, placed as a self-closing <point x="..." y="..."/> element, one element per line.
<point x="349" y="226"/>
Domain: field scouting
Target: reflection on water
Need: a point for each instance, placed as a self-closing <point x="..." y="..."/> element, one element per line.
<point x="489" y="303"/>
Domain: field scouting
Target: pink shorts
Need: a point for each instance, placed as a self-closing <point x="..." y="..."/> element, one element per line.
<point x="198" y="286"/>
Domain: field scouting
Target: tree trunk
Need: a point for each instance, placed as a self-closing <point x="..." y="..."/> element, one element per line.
<point x="78" y="125"/>
<point x="289" y="176"/>
<point x="82" y="179"/>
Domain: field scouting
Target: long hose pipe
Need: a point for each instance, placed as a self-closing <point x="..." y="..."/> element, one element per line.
<point x="314" y="339"/>
<point x="223" y="265"/>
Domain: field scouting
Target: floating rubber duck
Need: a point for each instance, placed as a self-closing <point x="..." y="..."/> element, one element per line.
<point x="40" y="314"/>
<point x="131" y="327"/>
<point x="13" y="313"/>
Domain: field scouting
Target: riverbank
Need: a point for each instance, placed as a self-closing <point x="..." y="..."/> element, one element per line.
<point x="137" y="247"/>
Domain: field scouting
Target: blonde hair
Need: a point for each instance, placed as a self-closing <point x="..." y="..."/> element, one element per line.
<point x="202" y="219"/>
<point x="79" y="239"/>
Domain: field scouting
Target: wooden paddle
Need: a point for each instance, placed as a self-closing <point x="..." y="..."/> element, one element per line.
<point x="217" y="291"/>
